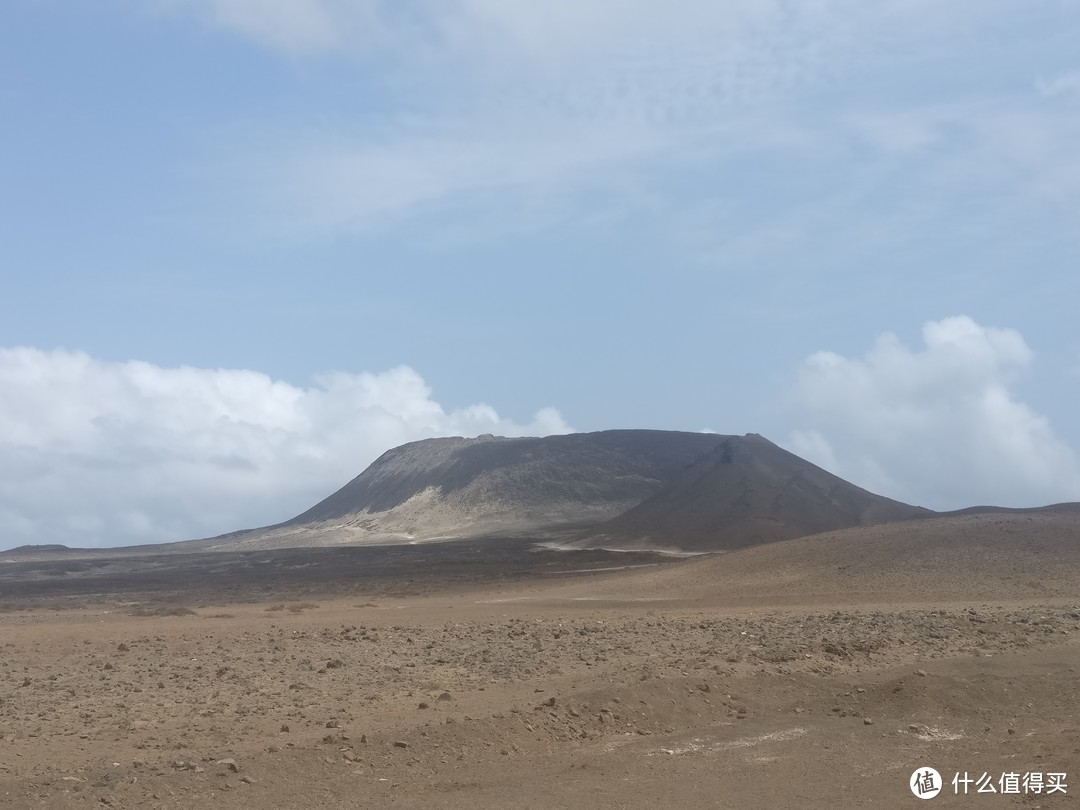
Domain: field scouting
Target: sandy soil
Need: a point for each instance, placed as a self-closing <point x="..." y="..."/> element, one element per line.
<point x="526" y="695"/>
<point x="814" y="673"/>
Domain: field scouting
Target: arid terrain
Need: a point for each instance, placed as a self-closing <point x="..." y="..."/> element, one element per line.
<point x="813" y="673"/>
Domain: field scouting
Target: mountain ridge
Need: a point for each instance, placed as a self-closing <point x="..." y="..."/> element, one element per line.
<point x="455" y="487"/>
<point x="620" y="489"/>
<point x="745" y="492"/>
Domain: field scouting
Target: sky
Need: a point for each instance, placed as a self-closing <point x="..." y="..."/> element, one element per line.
<point x="247" y="246"/>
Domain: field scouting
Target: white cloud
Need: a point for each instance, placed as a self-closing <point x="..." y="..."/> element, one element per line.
<point x="940" y="426"/>
<point x="100" y="453"/>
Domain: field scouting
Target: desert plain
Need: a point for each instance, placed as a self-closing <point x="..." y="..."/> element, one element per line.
<point x="815" y="673"/>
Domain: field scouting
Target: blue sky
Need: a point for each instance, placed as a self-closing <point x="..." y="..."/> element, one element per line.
<point x="246" y="247"/>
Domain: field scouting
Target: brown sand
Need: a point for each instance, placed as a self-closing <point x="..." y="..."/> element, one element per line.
<point x="712" y="683"/>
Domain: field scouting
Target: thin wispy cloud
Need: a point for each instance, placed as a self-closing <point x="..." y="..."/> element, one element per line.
<point x="498" y="104"/>
<point x="1065" y="85"/>
<point x="295" y="26"/>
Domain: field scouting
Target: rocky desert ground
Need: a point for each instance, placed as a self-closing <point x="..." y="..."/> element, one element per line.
<point x="732" y="680"/>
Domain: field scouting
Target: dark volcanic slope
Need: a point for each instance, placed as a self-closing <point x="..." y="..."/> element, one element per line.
<point x="455" y="487"/>
<point x="746" y="491"/>
<point x="527" y="475"/>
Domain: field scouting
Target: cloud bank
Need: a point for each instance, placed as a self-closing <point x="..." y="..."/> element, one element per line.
<point x="940" y="426"/>
<point x="97" y="453"/>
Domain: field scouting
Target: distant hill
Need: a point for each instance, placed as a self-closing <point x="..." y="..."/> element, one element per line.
<point x="457" y="487"/>
<point x="39" y="548"/>
<point x="970" y="554"/>
<point x="744" y="492"/>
